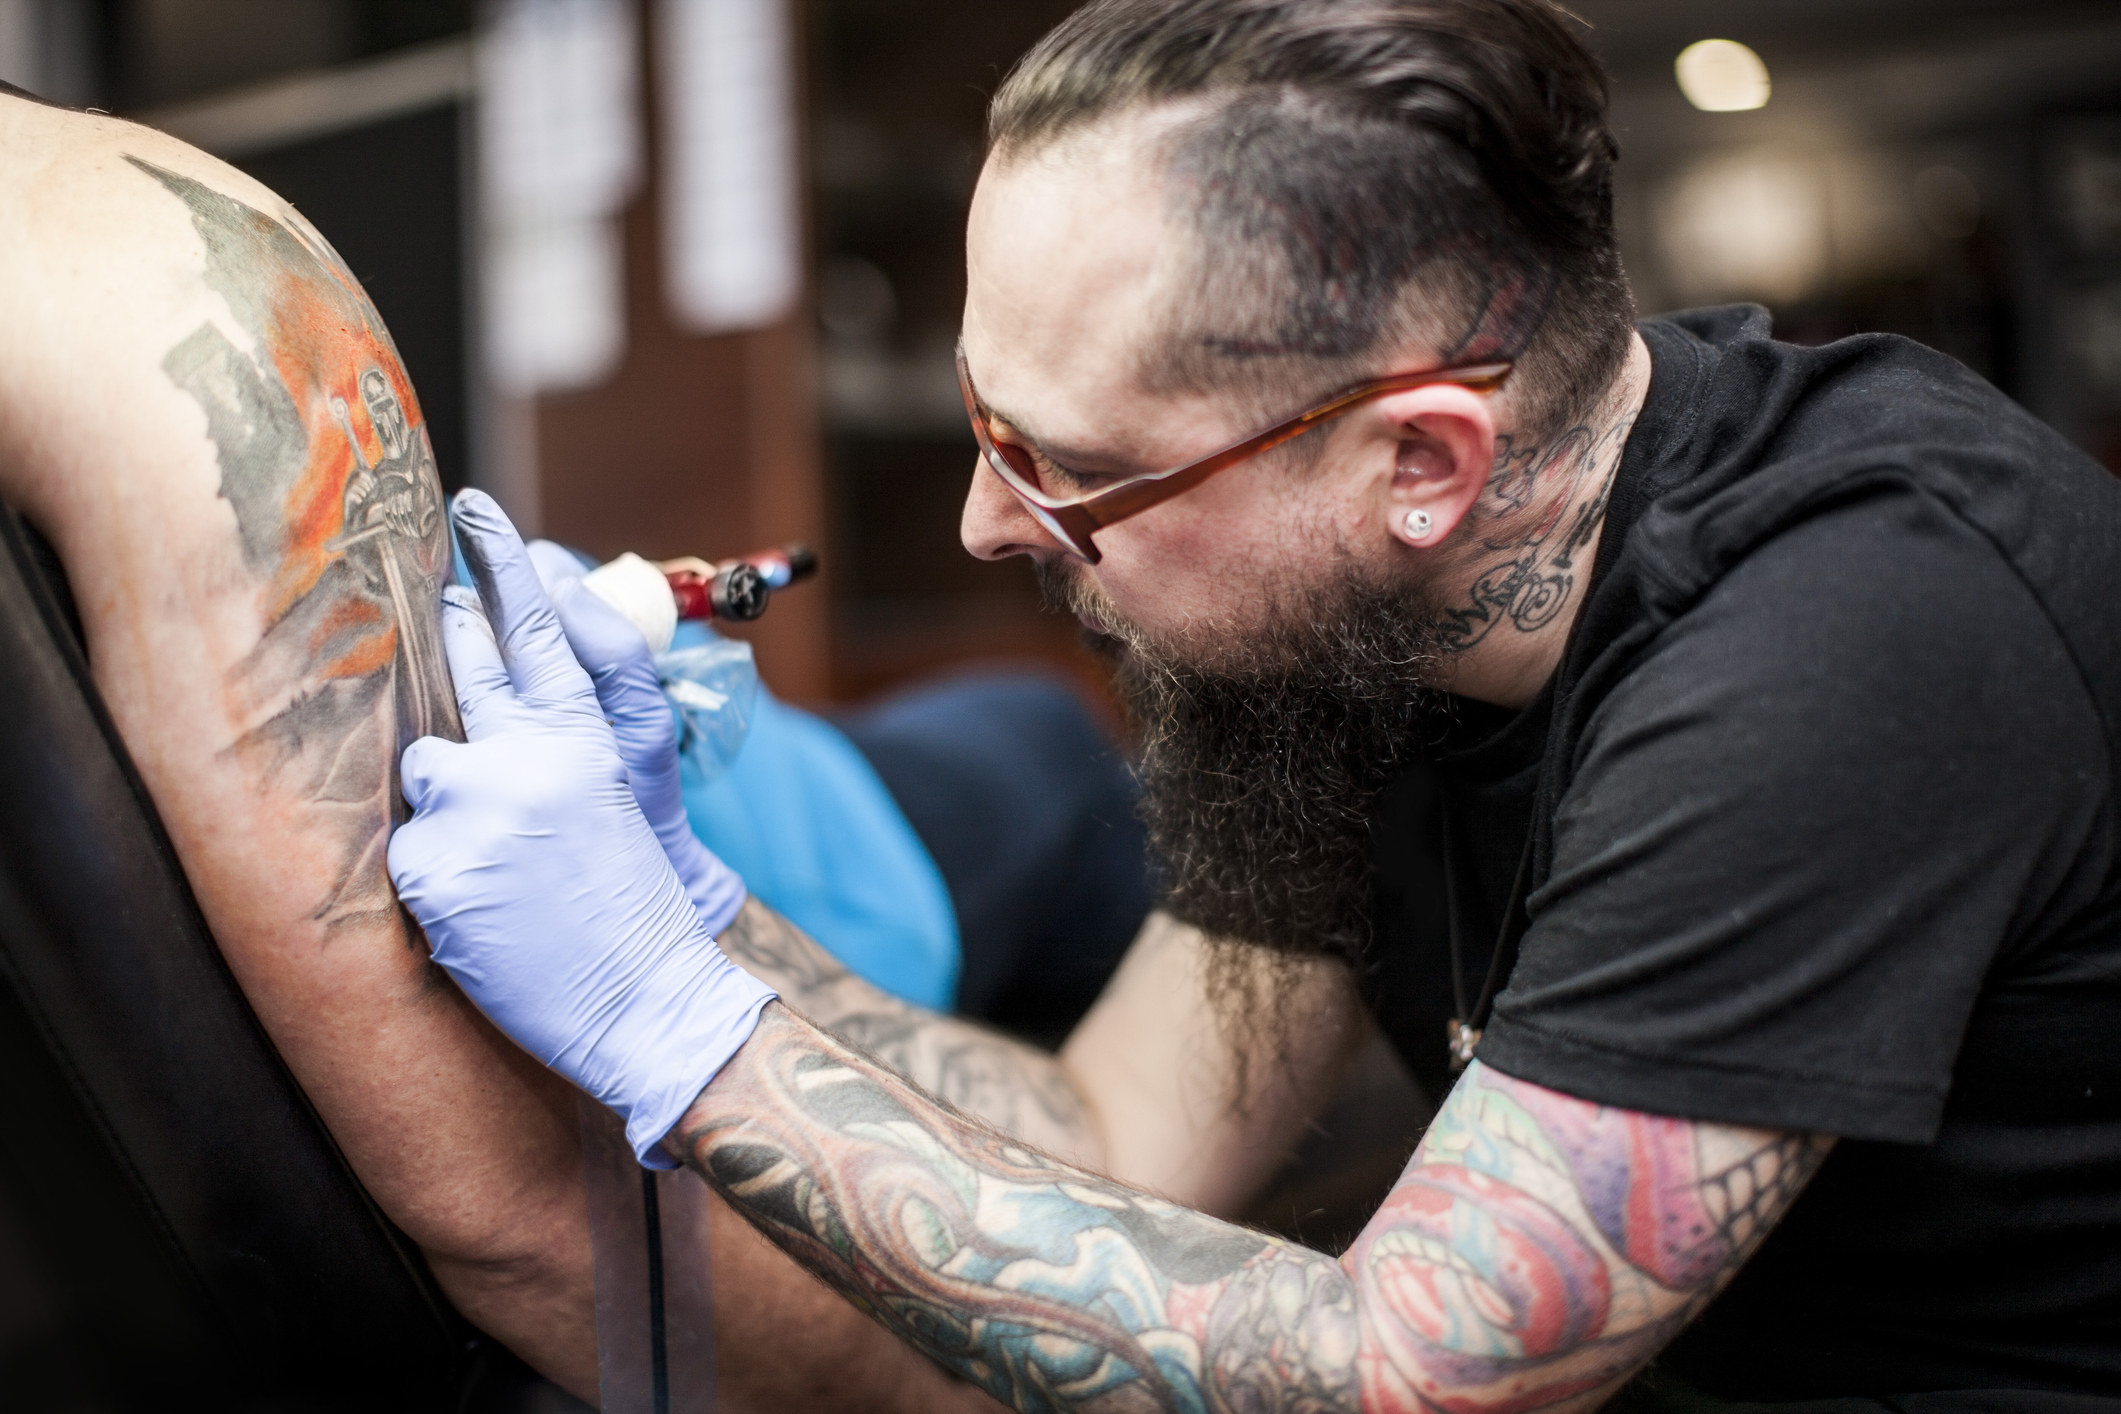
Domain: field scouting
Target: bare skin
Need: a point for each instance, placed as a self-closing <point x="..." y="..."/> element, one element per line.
<point x="201" y="411"/>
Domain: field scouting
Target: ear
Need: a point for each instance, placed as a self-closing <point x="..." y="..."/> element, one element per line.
<point x="1443" y="449"/>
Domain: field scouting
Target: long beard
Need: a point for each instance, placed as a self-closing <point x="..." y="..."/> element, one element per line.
<point x="1263" y="753"/>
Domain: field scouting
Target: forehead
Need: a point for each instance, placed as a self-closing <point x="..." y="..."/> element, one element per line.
<point x="1072" y="265"/>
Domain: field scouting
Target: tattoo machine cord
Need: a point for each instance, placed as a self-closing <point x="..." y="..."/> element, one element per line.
<point x="655" y="1317"/>
<point x="654" y="1282"/>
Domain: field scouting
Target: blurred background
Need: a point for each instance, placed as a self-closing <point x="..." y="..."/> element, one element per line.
<point x="683" y="276"/>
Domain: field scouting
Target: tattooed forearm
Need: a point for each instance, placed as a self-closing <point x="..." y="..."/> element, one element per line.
<point x="1018" y="1089"/>
<point x="326" y="467"/>
<point x="1538" y="1250"/>
<point x="771" y="947"/>
<point x="1049" y="1288"/>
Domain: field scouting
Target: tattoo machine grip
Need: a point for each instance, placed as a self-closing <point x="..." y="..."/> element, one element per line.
<point x="654" y="597"/>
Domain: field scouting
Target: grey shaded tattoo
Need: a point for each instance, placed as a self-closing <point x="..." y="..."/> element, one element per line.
<point x="326" y="465"/>
<point x="1002" y="1081"/>
<point x="1048" y="1287"/>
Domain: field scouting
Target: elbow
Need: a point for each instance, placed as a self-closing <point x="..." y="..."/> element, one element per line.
<point x="496" y="1239"/>
<point x="531" y="1286"/>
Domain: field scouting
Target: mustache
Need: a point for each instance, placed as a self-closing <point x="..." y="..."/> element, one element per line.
<point x="1063" y="588"/>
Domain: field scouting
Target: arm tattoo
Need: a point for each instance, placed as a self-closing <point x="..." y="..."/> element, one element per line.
<point x="1537" y="1251"/>
<point x="1019" y="1090"/>
<point x="326" y="467"/>
<point x="1047" y="1287"/>
<point x="1549" y="1247"/>
<point x="1542" y="505"/>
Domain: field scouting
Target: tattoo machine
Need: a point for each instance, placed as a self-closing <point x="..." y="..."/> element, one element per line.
<point x="656" y="596"/>
<point x="713" y="686"/>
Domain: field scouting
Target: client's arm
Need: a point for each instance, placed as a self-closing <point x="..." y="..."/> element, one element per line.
<point x="203" y="413"/>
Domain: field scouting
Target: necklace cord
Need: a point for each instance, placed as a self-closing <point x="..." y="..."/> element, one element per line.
<point x="1463" y="1034"/>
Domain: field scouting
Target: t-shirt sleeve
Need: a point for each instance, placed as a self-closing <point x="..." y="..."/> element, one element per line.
<point x="1828" y="799"/>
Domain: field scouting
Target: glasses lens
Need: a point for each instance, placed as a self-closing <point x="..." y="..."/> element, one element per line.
<point x="1012" y="461"/>
<point x="1018" y="471"/>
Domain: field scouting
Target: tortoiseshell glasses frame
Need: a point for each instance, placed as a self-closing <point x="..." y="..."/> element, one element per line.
<point x="1075" y="520"/>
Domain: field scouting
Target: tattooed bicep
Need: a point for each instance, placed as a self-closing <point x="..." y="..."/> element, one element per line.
<point x="337" y="522"/>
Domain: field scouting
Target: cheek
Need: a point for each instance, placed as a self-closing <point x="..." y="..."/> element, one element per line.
<point x="1213" y="557"/>
<point x="1189" y="573"/>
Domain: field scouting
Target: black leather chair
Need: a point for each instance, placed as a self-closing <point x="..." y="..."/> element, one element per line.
<point x="177" y="1229"/>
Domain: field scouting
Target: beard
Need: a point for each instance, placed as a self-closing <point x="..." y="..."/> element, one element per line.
<point x="1263" y="750"/>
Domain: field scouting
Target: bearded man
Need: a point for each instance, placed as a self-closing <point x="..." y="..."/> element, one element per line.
<point x="1758" y="702"/>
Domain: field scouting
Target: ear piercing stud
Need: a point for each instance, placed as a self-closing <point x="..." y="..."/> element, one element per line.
<point x="1418" y="523"/>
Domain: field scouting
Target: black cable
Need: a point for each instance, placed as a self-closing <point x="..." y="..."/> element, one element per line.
<point x="658" y="1346"/>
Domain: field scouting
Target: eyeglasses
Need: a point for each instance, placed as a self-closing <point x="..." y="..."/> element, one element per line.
<point x="1073" y="516"/>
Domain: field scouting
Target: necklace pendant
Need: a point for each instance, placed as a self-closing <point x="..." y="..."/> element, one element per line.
<point x="1460" y="1039"/>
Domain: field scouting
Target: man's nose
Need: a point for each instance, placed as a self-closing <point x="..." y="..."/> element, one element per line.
<point x="995" y="524"/>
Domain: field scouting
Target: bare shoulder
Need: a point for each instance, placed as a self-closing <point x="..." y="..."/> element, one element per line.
<point x="203" y="411"/>
<point x="117" y="243"/>
<point x="66" y="172"/>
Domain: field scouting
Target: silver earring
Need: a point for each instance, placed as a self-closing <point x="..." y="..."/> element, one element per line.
<point x="1418" y="523"/>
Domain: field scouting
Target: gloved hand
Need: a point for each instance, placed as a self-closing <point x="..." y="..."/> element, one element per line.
<point x="543" y="890"/>
<point x="631" y="693"/>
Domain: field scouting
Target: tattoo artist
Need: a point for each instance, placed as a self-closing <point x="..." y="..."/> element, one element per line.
<point x="1759" y="704"/>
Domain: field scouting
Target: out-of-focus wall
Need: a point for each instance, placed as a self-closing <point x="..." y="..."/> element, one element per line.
<point x="649" y="348"/>
<point x="1945" y="169"/>
<point x="898" y="99"/>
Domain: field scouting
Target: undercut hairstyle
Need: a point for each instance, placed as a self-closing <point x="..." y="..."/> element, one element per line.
<point x="1363" y="176"/>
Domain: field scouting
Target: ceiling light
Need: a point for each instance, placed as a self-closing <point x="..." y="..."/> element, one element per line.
<point x="1722" y="76"/>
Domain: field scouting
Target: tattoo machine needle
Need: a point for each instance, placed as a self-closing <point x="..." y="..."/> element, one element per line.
<point x="654" y="596"/>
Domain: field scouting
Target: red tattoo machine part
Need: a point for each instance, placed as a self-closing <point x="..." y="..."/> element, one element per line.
<point x="654" y="597"/>
<point x="737" y="589"/>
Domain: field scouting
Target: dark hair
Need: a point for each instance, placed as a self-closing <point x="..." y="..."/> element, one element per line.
<point x="1362" y="169"/>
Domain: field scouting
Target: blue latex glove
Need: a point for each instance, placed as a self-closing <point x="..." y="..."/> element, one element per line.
<point x="631" y="694"/>
<point x="542" y="888"/>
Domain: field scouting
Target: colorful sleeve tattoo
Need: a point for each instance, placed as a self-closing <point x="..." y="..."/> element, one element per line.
<point x="1536" y="1252"/>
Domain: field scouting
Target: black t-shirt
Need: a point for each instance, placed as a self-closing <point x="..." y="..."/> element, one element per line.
<point x="1823" y="816"/>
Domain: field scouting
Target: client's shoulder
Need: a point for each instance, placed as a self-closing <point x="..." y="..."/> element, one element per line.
<point x="89" y="202"/>
<point x="132" y="267"/>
